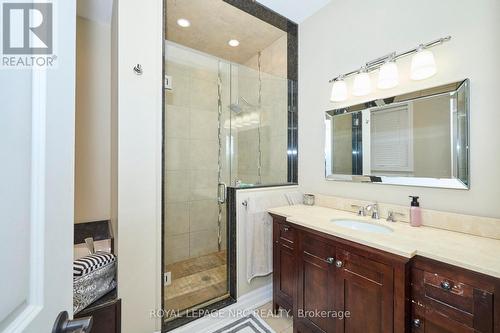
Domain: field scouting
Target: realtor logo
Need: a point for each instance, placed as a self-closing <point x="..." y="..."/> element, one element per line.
<point x="27" y="34"/>
<point x="27" y="28"/>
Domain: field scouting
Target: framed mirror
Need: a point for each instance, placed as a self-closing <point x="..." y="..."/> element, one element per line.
<point x="414" y="139"/>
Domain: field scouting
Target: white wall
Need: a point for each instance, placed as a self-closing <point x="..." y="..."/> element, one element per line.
<point x="345" y="34"/>
<point x="139" y="163"/>
<point x="93" y="121"/>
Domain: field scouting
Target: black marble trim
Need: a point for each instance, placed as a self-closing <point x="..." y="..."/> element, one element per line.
<point x="262" y="12"/>
<point x="292" y="133"/>
<point x="292" y="51"/>
<point x="98" y="230"/>
<point x="231" y="240"/>
<point x="357" y="143"/>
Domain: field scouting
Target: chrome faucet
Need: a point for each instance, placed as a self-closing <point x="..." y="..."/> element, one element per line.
<point x="361" y="210"/>
<point x="373" y="208"/>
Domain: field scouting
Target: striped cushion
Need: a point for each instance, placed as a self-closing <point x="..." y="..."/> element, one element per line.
<point x="90" y="263"/>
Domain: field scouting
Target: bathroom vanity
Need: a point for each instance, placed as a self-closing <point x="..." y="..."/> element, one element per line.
<point x="378" y="282"/>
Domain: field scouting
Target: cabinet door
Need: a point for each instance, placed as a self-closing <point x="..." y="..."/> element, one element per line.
<point x="284" y="265"/>
<point x="285" y="277"/>
<point x="315" y="285"/>
<point x="364" y="290"/>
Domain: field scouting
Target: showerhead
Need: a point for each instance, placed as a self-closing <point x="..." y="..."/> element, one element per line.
<point x="237" y="108"/>
<point x="248" y="103"/>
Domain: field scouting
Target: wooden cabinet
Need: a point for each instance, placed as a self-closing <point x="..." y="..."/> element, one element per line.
<point x="363" y="288"/>
<point x="321" y="277"/>
<point x="315" y="284"/>
<point x="284" y="265"/>
<point x="448" y="299"/>
<point x="333" y="280"/>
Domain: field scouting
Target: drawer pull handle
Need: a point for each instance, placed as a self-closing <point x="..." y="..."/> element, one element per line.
<point x="285" y="229"/>
<point x="417" y="323"/>
<point x="339" y="263"/>
<point x="446" y="285"/>
<point x="330" y="260"/>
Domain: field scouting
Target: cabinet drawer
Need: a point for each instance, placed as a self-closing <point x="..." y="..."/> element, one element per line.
<point x="317" y="246"/>
<point x="453" y="296"/>
<point x="287" y="232"/>
<point x="426" y="320"/>
<point x="445" y="290"/>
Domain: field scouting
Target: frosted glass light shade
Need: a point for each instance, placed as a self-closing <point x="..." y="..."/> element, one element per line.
<point x="362" y="84"/>
<point x="388" y="77"/>
<point x="339" y="91"/>
<point x="423" y="65"/>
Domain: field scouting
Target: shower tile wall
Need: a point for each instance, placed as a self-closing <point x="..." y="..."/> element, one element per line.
<point x="191" y="162"/>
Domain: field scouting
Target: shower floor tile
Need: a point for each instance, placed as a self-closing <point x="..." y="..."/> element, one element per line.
<point x="196" y="281"/>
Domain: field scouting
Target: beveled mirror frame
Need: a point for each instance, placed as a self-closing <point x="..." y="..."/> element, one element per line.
<point x="450" y="183"/>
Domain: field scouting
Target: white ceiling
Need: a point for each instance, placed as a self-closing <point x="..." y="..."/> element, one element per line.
<point x="295" y="10"/>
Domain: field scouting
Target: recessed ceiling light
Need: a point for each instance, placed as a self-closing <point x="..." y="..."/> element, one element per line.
<point x="183" y="22"/>
<point x="233" y="42"/>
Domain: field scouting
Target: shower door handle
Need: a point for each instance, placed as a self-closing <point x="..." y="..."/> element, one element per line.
<point x="222" y="193"/>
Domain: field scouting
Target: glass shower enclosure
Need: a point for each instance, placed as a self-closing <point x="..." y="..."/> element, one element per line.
<point x="225" y="125"/>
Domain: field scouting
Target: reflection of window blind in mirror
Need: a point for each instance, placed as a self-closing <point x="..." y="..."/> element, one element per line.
<point x="392" y="139"/>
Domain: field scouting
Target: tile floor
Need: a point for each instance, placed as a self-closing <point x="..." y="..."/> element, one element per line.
<point x="195" y="281"/>
<point x="281" y="323"/>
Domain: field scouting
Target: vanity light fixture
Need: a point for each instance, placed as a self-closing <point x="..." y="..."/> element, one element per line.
<point x="233" y="42"/>
<point x="423" y="66"/>
<point x="362" y="83"/>
<point x="182" y="22"/>
<point x="388" y="76"/>
<point x="339" y="90"/>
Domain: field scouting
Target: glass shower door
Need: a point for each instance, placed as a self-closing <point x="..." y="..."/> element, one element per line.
<point x="197" y="169"/>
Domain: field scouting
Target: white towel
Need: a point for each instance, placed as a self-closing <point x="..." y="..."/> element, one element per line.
<point x="259" y="233"/>
<point x="294" y="198"/>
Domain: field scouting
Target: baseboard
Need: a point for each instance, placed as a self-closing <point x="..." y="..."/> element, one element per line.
<point x="244" y="305"/>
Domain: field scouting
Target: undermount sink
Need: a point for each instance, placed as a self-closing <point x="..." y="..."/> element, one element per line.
<point x="362" y="226"/>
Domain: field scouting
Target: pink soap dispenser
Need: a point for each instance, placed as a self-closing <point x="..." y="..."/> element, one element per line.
<point x="415" y="212"/>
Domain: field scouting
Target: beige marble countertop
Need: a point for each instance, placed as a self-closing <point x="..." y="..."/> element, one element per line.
<point x="472" y="252"/>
